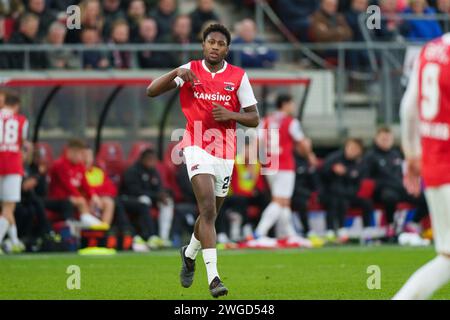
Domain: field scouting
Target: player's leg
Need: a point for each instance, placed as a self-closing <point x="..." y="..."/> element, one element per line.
<point x="166" y="210"/>
<point x="107" y="210"/>
<point x="82" y="206"/>
<point x="11" y="195"/>
<point x="436" y="273"/>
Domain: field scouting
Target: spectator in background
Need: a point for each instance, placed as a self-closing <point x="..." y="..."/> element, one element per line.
<point x="3" y="55"/>
<point x="61" y="5"/>
<point x="120" y="34"/>
<point x="92" y="59"/>
<point x="389" y="26"/>
<point x="30" y="213"/>
<point x="181" y="34"/>
<point x="135" y="14"/>
<point x="60" y="59"/>
<point x="307" y="181"/>
<point x="164" y="15"/>
<point x="91" y="18"/>
<point x="27" y="34"/>
<point x="255" y="54"/>
<point x="202" y="13"/>
<point x="46" y="16"/>
<point x="421" y="29"/>
<point x="384" y="163"/>
<point x="327" y="25"/>
<point x="296" y="15"/>
<point x="141" y="189"/>
<point x="148" y="31"/>
<point x="357" y="59"/>
<point x="68" y="182"/>
<point x="342" y="172"/>
<point x="443" y="8"/>
<point x="111" y="12"/>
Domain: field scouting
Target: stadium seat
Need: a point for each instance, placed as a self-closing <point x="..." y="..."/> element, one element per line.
<point x="110" y="158"/>
<point x="110" y="151"/>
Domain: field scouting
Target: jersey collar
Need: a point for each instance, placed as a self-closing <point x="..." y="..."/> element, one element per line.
<point x="218" y="71"/>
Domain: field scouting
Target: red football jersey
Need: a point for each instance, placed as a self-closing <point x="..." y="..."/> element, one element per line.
<point x="434" y="111"/>
<point x="281" y="145"/>
<point x="13" y="131"/>
<point x="228" y="87"/>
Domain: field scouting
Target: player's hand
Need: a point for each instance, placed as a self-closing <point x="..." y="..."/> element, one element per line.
<point x="411" y="180"/>
<point x="220" y="113"/>
<point x="339" y="169"/>
<point x="29" y="183"/>
<point x="187" y="75"/>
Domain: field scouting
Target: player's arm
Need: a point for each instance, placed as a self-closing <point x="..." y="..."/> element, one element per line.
<point x="304" y="144"/>
<point x="248" y="118"/>
<point x="409" y="119"/>
<point x="170" y="80"/>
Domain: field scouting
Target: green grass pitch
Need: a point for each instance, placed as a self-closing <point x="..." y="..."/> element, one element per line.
<point x="327" y="273"/>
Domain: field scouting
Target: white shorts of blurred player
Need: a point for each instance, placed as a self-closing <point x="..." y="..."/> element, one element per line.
<point x="198" y="161"/>
<point x="439" y="203"/>
<point x="281" y="183"/>
<point x="10" y="187"/>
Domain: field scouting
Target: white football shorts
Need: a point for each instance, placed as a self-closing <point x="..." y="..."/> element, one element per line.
<point x="281" y="183"/>
<point x="199" y="161"/>
<point x="10" y="187"/>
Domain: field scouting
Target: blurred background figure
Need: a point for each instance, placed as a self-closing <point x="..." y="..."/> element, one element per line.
<point x="203" y="12"/>
<point x="385" y="167"/>
<point x="255" y="54"/>
<point x="141" y="189"/>
<point x="60" y="59"/>
<point x="68" y="182"/>
<point x="342" y="173"/>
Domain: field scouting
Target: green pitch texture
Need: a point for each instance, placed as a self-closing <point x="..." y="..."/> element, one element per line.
<point x="327" y="273"/>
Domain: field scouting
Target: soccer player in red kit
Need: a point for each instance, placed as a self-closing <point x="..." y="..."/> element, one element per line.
<point x="280" y="174"/>
<point x="13" y="132"/>
<point x="212" y="94"/>
<point x="425" y="123"/>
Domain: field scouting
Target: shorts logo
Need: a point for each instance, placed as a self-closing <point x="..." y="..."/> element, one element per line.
<point x="194" y="167"/>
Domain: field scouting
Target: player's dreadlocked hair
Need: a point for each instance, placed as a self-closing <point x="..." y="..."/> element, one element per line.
<point x="217" y="27"/>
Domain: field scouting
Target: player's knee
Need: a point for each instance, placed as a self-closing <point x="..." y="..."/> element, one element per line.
<point x="208" y="212"/>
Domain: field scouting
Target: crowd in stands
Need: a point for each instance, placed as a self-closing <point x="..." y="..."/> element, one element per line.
<point x="160" y="21"/>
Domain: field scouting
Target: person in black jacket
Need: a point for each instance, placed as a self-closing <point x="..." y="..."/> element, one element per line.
<point x="27" y="33"/>
<point x="342" y="173"/>
<point x="307" y="181"/>
<point x="141" y="189"/>
<point x="384" y="163"/>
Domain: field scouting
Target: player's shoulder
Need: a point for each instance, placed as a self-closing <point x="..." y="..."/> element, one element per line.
<point x="235" y="69"/>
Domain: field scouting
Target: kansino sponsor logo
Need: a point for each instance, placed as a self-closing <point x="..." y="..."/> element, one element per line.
<point x="212" y="96"/>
